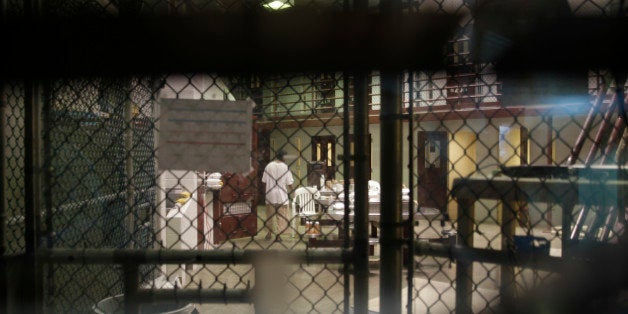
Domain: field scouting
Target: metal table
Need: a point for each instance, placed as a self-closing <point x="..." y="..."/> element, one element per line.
<point x="423" y="213"/>
<point x="511" y="191"/>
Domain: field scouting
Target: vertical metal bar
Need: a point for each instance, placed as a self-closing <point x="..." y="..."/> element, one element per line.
<point x="568" y="203"/>
<point x="32" y="191"/>
<point x="47" y="172"/>
<point x="128" y="169"/>
<point x="361" y="245"/>
<point x="159" y="212"/>
<point x="30" y="290"/>
<point x="3" y="194"/>
<point x="3" y="185"/>
<point x="586" y="127"/>
<point x="508" y="225"/>
<point x="391" y="218"/>
<point x="346" y="160"/>
<point x="618" y="129"/>
<point x="391" y="168"/>
<point x="361" y="205"/>
<point x="549" y="153"/>
<point x="464" y="268"/>
<point x="410" y="239"/>
<point x="602" y="130"/>
<point x="131" y="285"/>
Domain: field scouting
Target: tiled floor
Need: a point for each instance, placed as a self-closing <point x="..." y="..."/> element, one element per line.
<point x="319" y="288"/>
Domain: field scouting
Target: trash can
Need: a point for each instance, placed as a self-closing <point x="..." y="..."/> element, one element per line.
<point x="115" y="305"/>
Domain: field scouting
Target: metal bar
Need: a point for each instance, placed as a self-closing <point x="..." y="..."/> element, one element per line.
<point x="586" y="127"/>
<point x="618" y="129"/>
<point x="566" y="237"/>
<point x="361" y="206"/>
<point x="464" y="269"/>
<point x="195" y="295"/>
<point x="3" y="194"/>
<point x="87" y="46"/>
<point x="346" y="160"/>
<point x="610" y="221"/>
<point x="606" y="121"/>
<point x="131" y="286"/>
<point x="235" y="256"/>
<point x="128" y="172"/>
<point x="391" y="176"/>
<point x="620" y="82"/>
<point x="19" y="219"/>
<point x="411" y="186"/>
<point x="468" y="254"/>
<point x="549" y="153"/>
<point x="47" y="181"/>
<point x="508" y="226"/>
<point x="31" y="292"/>
<point x="582" y="216"/>
<point x="360" y="124"/>
<point x="391" y="217"/>
<point x="260" y="304"/>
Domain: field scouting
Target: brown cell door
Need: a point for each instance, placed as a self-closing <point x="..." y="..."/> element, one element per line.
<point x="432" y="169"/>
<point x="234" y="208"/>
<point x="324" y="149"/>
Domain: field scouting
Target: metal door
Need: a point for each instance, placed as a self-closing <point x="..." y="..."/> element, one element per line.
<point x="432" y="169"/>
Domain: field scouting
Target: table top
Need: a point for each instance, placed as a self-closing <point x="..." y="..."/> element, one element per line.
<point x="539" y="189"/>
<point x="422" y="213"/>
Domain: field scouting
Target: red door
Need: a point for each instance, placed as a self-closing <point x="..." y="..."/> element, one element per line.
<point x="234" y="209"/>
<point x="432" y="170"/>
<point x="235" y="205"/>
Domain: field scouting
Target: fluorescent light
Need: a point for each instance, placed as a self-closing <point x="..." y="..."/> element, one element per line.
<point x="278" y="5"/>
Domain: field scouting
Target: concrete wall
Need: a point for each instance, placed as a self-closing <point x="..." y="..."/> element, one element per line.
<point x="474" y="149"/>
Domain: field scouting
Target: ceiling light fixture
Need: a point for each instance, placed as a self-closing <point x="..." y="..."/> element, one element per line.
<point x="278" y="5"/>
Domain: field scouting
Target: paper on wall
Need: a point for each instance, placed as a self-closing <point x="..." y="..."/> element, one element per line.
<point x="209" y="135"/>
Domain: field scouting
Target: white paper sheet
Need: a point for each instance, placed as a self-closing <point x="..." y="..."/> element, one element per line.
<point x="209" y="135"/>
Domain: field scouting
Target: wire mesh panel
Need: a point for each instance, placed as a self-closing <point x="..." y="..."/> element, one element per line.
<point x="13" y="130"/>
<point x="469" y="129"/>
<point x="506" y="186"/>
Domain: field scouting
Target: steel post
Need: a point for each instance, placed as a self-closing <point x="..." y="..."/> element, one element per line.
<point x="410" y="239"/>
<point x="128" y="172"/>
<point x="3" y="199"/>
<point x="131" y="287"/>
<point x="391" y="160"/>
<point x="361" y="205"/>
<point x="30" y="289"/>
<point x="346" y="160"/>
<point x="391" y="167"/>
<point x="360" y="157"/>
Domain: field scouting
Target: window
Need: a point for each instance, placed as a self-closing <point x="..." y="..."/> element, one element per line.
<point x="324" y="93"/>
<point x="429" y="88"/>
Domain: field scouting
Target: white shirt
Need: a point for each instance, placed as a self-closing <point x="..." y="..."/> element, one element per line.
<point x="277" y="176"/>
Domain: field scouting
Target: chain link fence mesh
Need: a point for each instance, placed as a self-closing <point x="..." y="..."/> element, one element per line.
<point x="107" y="190"/>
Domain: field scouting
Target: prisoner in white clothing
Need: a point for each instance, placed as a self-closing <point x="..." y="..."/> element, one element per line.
<point x="277" y="177"/>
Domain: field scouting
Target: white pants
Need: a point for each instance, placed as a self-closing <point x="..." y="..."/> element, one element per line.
<point x="276" y="213"/>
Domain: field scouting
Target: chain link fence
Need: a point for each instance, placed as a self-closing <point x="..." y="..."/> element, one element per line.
<point x="498" y="193"/>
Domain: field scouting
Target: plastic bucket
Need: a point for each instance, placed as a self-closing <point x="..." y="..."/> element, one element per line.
<point x="115" y="305"/>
